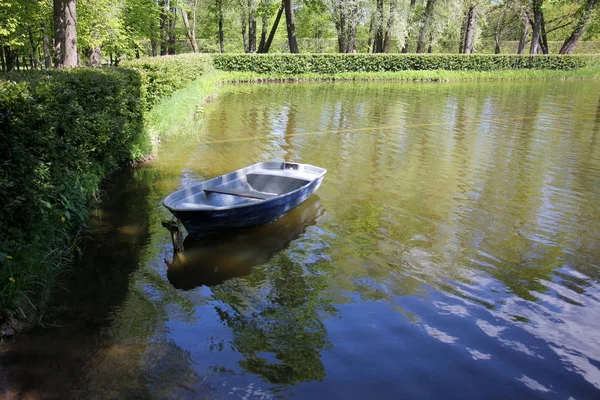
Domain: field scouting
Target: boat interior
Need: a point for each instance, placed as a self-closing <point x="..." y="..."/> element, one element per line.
<point x="245" y="189"/>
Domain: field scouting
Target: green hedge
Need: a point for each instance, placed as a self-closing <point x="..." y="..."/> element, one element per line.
<point x="60" y="132"/>
<point x="293" y="64"/>
<point x="161" y="76"/>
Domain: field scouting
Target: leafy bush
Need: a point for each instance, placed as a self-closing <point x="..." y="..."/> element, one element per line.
<point x="161" y="76"/>
<point x="59" y="133"/>
<point x="293" y="64"/>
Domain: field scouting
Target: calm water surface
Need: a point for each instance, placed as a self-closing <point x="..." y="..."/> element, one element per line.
<point x="453" y="251"/>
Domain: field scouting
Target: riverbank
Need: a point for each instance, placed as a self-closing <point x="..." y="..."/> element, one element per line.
<point x="171" y="90"/>
<point x="592" y="72"/>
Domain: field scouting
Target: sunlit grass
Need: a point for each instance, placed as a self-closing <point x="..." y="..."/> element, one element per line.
<point x="184" y="108"/>
<point x="421" y="76"/>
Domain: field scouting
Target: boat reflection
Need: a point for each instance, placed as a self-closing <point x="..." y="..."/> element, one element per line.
<point x="213" y="259"/>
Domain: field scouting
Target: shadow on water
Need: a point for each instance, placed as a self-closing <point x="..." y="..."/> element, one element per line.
<point x="211" y="260"/>
<point x="78" y="353"/>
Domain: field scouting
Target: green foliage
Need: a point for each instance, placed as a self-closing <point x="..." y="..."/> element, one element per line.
<point x="59" y="133"/>
<point x="289" y="64"/>
<point x="161" y="76"/>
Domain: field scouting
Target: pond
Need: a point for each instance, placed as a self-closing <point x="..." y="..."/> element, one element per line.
<point x="453" y="251"/>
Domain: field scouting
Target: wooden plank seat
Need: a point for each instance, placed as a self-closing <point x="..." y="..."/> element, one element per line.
<point x="241" y="193"/>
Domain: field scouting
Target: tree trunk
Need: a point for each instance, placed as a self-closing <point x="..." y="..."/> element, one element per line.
<point x="273" y="30"/>
<point x="95" y="57"/>
<point x="251" y="26"/>
<point x="351" y="41"/>
<point x="46" y="47"/>
<point x="585" y="15"/>
<point x="33" y="53"/>
<point x="59" y="32"/>
<point x="469" y="30"/>
<point x="2" y="62"/>
<point x="191" y="33"/>
<point x="351" y="30"/>
<point x="378" y="43"/>
<point x="407" y="37"/>
<point x="498" y="31"/>
<point x="243" y="21"/>
<point x="524" y="36"/>
<point x="390" y="25"/>
<point x="291" y="25"/>
<point x="9" y="58"/>
<point x="427" y="16"/>
<point x="461" y="39"/>
<point x="370" y="41"/>
<point x="543" y="36"/>
<point x="341" y="30"/>
<point x="263" y="33"/>
<point x="164" y="27"/>
<point x="537" y="26"/>
<point x="67" y="24"/>
<point x="172" y="33"/>
<point x="221" y="37"/>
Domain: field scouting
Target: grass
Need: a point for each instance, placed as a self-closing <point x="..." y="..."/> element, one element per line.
<point x="420" y="76"/>
<point x="166" y="118"/>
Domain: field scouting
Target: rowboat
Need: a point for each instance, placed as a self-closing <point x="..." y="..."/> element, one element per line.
<point x="251" y="196"/>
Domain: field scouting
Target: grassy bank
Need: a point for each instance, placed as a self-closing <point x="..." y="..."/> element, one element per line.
<point x="61" y="132"/>
<point x="592" y="72"/>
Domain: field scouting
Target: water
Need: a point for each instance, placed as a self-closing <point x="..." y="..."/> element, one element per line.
<point x="453" y="251"/>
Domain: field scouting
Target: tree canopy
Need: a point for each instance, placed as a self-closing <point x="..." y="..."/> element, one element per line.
<point x="33" y="32"/>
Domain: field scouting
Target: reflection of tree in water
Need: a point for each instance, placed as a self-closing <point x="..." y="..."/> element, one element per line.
<point x="281" y="316"/>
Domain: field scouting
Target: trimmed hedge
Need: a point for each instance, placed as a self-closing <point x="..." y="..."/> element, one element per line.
<point x="55" y="123"/>
<point x="60" y="132"/>
<point x="294" y="64"/>
<point x="161" y="76"/>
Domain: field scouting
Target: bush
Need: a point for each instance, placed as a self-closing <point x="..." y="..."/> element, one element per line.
<point x="59" y="133"/>
<point x="294" y="64"/>
<point x="161" y="76"/>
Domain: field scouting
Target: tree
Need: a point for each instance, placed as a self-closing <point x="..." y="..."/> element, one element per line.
<point x="585" y="14"/>
<point x="425" y="28"/>
<point x="538" y="16"/>
<point x="220" y="17"/>
<point x="142" y="19"/>
<point x="469" y="24"/>
<point x="378" y="19"/>
<point x="267" y="45"/>
<point x="190" y="8"/>
<point x="288" y="5"/>
<point x="251" y="26"/>
<point x="346" y="16"/>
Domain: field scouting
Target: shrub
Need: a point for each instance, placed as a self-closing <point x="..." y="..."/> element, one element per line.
<point x="161" y="76"/>
<point x="59" y="133"/>
<point x="294" y="64"/>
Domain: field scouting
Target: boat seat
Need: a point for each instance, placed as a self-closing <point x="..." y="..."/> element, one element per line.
<point x="241" y="193"/>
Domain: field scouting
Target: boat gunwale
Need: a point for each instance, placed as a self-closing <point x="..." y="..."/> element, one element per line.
<point x="249" y="170"/>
